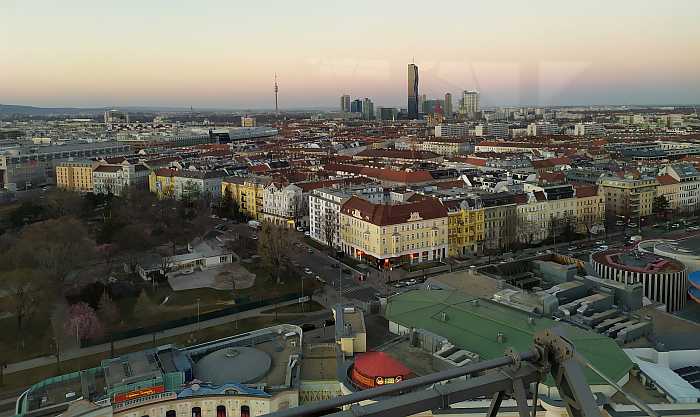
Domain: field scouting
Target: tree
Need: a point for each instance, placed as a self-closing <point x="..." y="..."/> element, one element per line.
<point x="330" y="228"/>
<point x="660" y="205"/>
<point x="23" y="288"/>
<point x="108" y="312"/>
<point x="83" y="323"/>
<point x="56" y="246"/>
<point x="143" y="306"/>
<point x="274" y="246"/>
<point x="296" y="208"/>
<point x="132" y="240"/>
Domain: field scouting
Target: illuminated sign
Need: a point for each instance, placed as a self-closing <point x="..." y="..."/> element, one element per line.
<point x="144" y="392"/>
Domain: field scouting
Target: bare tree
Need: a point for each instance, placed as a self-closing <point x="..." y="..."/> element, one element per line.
<point x="330" y="228"/>
<point x="23" y="287"/>
<point x="274" y="246"/>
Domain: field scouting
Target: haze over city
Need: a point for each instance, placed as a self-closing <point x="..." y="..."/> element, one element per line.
<point x="224" y="54"/>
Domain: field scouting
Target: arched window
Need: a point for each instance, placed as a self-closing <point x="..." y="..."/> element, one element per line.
<point x="170" y="413"/>
<point x="196" y="412"/>
<point x="245" y="411"/>
<point x="220" y="411"/>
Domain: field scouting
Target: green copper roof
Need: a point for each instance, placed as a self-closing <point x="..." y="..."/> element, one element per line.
<point x="474" y="326"/>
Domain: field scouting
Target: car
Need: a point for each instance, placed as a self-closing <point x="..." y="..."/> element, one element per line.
<point x="675" y="226"/>
<point x="254" y="237"/>
<point x="600" y="242"/>
<point x="412" y="281"/>
<point x="571" y="248"/>
<point x="319" y="279"/>
<point x="307" y="234"/>
<point x="603" y="247"/>
<point x="308" y="271"/>
<point x="310" y="250"/>
<point x="539" y="253"/>
<point x="619" y="223"/>
<point x="300" y="229"/>
<point x="398" y="284"/>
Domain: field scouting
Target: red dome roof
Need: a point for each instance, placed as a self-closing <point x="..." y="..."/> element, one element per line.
<point x="374" y="364"/>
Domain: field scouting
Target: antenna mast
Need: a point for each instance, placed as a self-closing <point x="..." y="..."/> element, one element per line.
<point x="276" y="90"/>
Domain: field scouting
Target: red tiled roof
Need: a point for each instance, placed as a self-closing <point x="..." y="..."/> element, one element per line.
<point x="165" y="172"/>
<point x="397" y="153"/>
<point x="108" y="168"/>
<point x="666" y="180"/>
<point x="584" y="191"/>
<point x="387" y="214"/>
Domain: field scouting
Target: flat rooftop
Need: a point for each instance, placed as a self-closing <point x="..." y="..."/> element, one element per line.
<point x="474" y="325"/>
<point x="638" y="261"/>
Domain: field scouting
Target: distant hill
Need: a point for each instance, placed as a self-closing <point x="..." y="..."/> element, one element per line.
<point x="9" y="109"/>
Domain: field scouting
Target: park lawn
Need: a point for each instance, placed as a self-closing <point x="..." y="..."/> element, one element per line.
<point x="37" y="340"/>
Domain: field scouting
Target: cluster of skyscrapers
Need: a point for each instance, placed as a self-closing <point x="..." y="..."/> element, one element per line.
<point x="418" y="105"/>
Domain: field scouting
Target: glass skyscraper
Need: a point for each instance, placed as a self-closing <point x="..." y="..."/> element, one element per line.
<point x="413" y="91"/>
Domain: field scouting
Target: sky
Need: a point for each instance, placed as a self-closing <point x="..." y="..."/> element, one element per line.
<point x="224" y="53"/>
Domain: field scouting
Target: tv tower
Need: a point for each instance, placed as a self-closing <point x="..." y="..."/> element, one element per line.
<point x="277" y="89"/>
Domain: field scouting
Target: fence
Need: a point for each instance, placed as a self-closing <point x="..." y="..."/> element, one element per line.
<point x="184" y="321"/>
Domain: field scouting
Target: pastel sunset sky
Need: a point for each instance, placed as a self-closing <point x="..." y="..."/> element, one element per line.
<point x="224" y="53"/>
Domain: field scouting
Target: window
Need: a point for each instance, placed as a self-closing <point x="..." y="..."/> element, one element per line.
<point x="171" y="413"/>
<point x="196" y="412"/>
<point x="245" y="411"/>
<point x="221" y="411"/>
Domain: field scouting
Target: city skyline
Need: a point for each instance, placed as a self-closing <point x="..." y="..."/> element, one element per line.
<point x="219" y="55"/>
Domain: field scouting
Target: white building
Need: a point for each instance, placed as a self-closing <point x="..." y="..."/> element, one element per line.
<point x="542" y="129"/>
<point x="451" y="130"/>
<point x="588" y="129"/>
<point x="469" y="105"/>
<point x="324" y="209"/>
<point x="203" y="183"/>
<point x="117" y="178"/>
<point x="497" y="130"/>
<point x="688" y="177"/>
<point x="284" y="205"/>
<point x="345" y="103"/>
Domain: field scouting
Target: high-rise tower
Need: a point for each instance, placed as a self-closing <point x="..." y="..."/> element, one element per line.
<point x="413" y="91"/>
<point x="448" y="106"/>
<point x="277" y="89"/>
<point x="345" y="103"/>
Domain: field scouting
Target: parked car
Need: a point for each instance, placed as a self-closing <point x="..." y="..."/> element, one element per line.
<point x="308" y="271"/>
<point x="319" y="279"/>
<point x="300" y="229"/>
<point x="307" y="234"/>
<point x="572" y="248"/>
<point x="412" y="281"/>
<point x="603" y="247"/>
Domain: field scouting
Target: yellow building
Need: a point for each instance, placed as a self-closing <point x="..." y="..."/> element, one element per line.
<point x="629" y="197"/>
<point x="75" y="176"/>
<point x="590" y="210"/>
<point x="391" y="234"/>
<point x="247" y="192"/>
<point x="162" y="182"/>
<point x="465" y="227"/>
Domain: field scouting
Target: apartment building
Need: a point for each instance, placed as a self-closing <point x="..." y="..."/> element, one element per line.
<point x="283" y="205"/>
<point x="465" y="226"/>
<point x="324" y="209"/>
<point x="75" y="176"/>
<point x="247" y="193"/>
<point x="680" y="184"/>
<point x="393" y="234"/>
<point x="629" y="196"/>
<point x="117" y="178"/>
